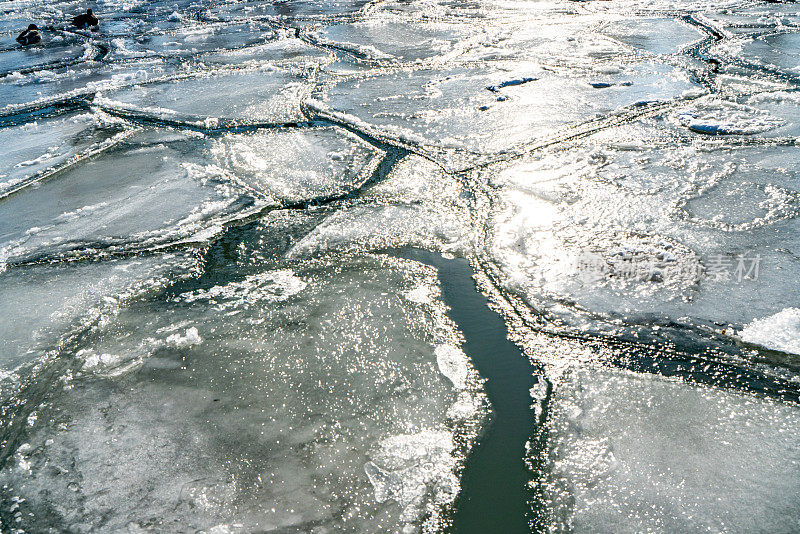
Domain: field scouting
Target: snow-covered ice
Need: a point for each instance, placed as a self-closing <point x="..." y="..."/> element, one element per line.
<point x="780" y="331"/>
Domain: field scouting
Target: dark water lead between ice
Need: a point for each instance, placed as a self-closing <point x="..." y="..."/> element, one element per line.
<point x="494" y="496"/>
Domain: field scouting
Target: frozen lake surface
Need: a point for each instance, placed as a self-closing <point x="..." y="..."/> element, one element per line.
<point x="400" y="266"/>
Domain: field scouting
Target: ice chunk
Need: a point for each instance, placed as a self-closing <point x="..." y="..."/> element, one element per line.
<point x="106" y="364"/>
<point x="684" y="246"/>
<point x="416" y="204"/>
<point x="68" y="84"/>
<point x="638" y="453"/>
<point x="49" y="53"/>
<point x="756" y="204"/>
<point x="779" y="103"/>
<point x="656" y="35"/>
<point x="46" y="144"/>
<point x="290" y="10"/>
<point x="135" y="192"/>
<point x="719" y="117"/>
<point x="192" y="337"/>
<point x="365" y="228"/>
<point x="267" y="94"/>
<point x="645" y="6"/>
<point x="416" y="465"/>
<point x="393" y="40"/>
<point x="192" y="40"/>
<point x="294" y="165"/>
<point x="387" y="485"/>
<point x="42" y="304"/>
<point x="453" y="364"/>
<point x="420" y="295"/>
<point x="284" y="50"/>
<point x="417" y="180"/>
<point x="555" y="42"/>
<point x="270" y="286"/>
<point x="779" y="49"/>
<point x="779" y="332"/>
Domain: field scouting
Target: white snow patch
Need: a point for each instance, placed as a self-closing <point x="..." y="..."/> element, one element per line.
<point x="779" y="332"/>
<point x="36" y="161"/>
<point x="465" y="406"/>
<point x="411" y="466"/>
<point x="719" y="117"/>
<point x="272" y="286"/>
<point x="106" y="364"/>
<point x="453" y="364"/>
<point x="192" y="337"/>
<point x="419" y="295"/>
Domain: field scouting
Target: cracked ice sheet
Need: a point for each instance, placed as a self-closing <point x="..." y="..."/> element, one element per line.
<point x="639" y="200"/>
<point x="34" y="147"/>
<point x="50" y="302"/>
<point x="266" y="94"/>
<point x="294" y="165"/>
<point x="256" y="400"/>
<point x="192" y="40"/>
<point x="152" y="188"/>
<point x="65" y="84"/>
<point x="463" y="110"/>
<point x="636" y="453"/>
<point x="416" y="205"/>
